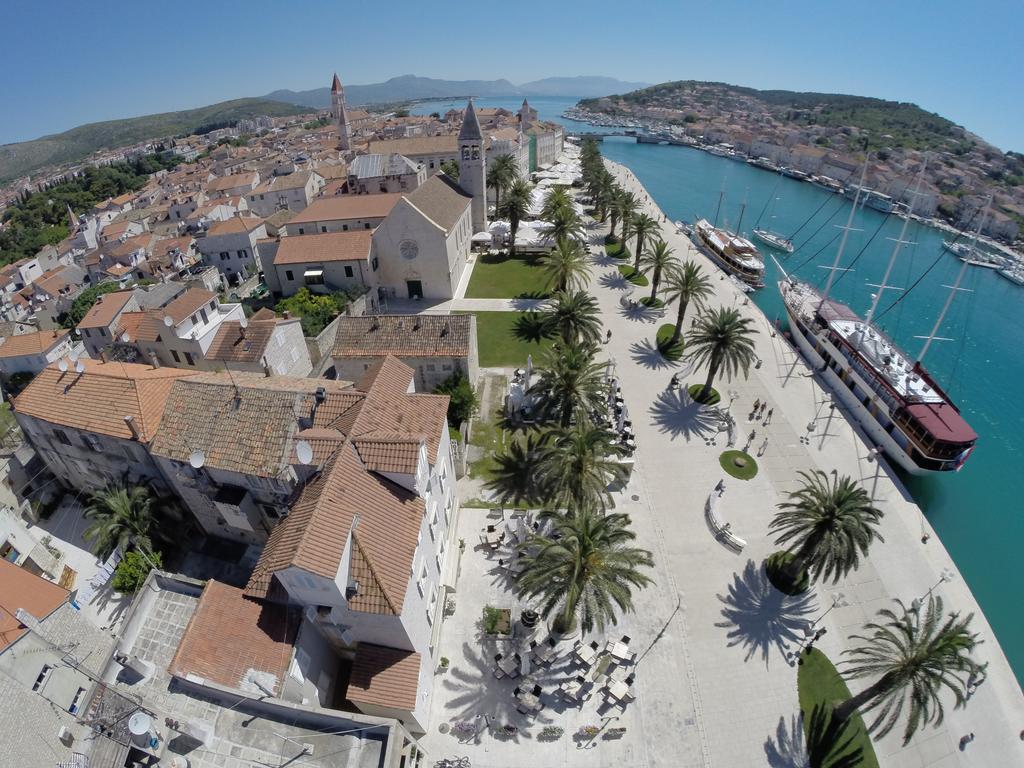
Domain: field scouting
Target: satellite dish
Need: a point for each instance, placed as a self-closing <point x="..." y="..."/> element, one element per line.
<point x="62" y="366"/>
<point x="79" y="367"/>
<point x="304" y="451"/>
<point x="244" y="322"/>
<point x="125" y="337"/>
<point x="197" y="459"/>
<point x="168" y="321"/>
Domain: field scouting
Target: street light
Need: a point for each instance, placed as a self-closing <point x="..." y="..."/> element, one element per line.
<point x="838" y="601"/>
<point x="946" y="576"/>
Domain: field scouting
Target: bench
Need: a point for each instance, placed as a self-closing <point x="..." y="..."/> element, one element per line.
<point x="722" y="531"/>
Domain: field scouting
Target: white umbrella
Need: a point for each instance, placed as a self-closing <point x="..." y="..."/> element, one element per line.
<point x="524" y="663"/>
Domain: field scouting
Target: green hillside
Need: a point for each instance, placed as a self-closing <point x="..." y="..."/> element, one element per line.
<point x="76" y="144"/>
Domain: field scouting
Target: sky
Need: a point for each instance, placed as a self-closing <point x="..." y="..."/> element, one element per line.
<point x="67" y="63"/>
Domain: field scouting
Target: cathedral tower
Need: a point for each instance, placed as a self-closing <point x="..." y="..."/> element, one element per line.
<point x="339" y="113"/>
<point x="473" y="166"/>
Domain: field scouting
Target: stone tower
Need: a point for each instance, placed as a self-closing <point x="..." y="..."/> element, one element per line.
<point x="339" y="113"/>
<point x="473" y="166"/>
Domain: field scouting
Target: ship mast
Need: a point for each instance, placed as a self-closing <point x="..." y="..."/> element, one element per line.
<point x="740" y="224"/>
<point x="718" y="210"/>
<point x="954" y="288"/>
<point x="842" y="243"/>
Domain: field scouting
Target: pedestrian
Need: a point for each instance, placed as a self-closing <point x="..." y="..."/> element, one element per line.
<point x="674" y="381"/>
<point x="763" y="406"/>
<point x="608" y="337"/>
<point x="753" y="434"/>
<point x="768" y="420"/>
<point x="763" y="448"/>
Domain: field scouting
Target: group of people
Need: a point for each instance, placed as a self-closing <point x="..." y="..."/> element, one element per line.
<point x="758" y="412"/>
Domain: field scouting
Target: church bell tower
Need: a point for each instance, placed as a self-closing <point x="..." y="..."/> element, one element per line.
<point x="473" y="166"/>
<point x="339" y="113"/>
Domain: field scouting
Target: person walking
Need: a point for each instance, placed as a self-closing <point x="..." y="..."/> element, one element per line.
<point x="763" y="448"/>
<point x="674" y="382"/>
<point x="608" y="336"/>
<point x="768" y="419"/>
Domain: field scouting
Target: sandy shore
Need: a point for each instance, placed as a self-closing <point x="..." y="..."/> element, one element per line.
<point x="909" y="563"/>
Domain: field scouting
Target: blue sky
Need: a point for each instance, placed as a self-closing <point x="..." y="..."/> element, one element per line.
<point x="67" y="63"/>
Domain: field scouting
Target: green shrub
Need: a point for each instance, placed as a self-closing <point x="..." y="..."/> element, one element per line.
<point x="462" y="403"/>
<point x="133" y="569"/>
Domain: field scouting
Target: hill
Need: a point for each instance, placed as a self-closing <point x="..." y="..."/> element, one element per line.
<point x="24" y="157"/>
<point x="580" y="87"/>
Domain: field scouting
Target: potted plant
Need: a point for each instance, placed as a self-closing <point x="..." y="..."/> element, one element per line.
<point x="589" y="731"/>
<point x="443" y="663"/>
<point x="551" y="732"/>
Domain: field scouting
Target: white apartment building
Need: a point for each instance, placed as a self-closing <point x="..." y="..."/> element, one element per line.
<point x="291" y="192"/>
<point x="231" y="246"/>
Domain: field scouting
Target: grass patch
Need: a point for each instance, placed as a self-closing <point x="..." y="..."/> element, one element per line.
<point x="654" y="303"/>
<point x="486" y="434"/>
<point x="673" y="352"/>
<point x="480" y="504"/>
<point x="500" y="276"/>
<point x="634" y="276"/>
<point x="775" y="568"/>
<point x="502" y="342"/>
<point x="713" y="397"/>
<point x="617" y="251"/>
<point x="820" y="687"/>
<point x="610" y="240"/>
<point x="739" y="464"/>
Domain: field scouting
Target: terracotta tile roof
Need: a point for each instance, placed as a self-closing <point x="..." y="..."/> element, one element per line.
<point x="21" y="589"/>
<point x="188" y="303"/>
<point x="118" y="270"/>
<point x="325" y="247"/>
<point x="129" y="322"/>
<point x="347" y="207"/>
<point x="384" y="677"/>
<point x="230" y="182"/>
<point x="441" y="200"/>
<point x="115" y="229"/>
<point x="31" y="343"/>
<point x="106" y="309"/>
<point x="234" y="344"/>
<point x="120" y="249"/>
<point x="402" y="335"/>
<point x="390" y="453"/>
<point x="231" y="639"/>
<point x="98" y="399"/>
<point x="165" y="245"/>
<point x="393" y="374"/>
<point x="233" y="226"/>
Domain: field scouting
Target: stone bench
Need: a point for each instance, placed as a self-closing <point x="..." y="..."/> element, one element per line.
<point x="722" y="531"/>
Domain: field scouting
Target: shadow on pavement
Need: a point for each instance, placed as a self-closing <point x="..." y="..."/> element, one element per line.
<point x="613" y="280"/>
<point x="647" y="355"/>
<point x="676" y="413"/>
<point x="760" y="618"/>
<point x="787" y="748"/>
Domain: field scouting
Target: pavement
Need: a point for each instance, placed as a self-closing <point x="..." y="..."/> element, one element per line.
<point x="717" y="684"/>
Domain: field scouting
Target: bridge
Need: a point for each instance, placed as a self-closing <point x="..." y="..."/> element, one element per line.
<point x="640" y="136"/>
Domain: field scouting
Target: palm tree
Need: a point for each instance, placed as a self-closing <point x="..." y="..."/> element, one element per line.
<point x="623" y="206"/>
<point x="644" y="226"/>
<point x="557" y="199"/>
<point x="515" y="207"/>
<point x="724" y="341"/>
<point x="566" y="267"/>
<point x="574" y="317"/>
<point x="685" y="285"/>
<point x="577" y="467"/>
<point x="915" y="654"/>
<point x="571" y="384"/>
<point x="627" y="231"/>
<point x="604" y="191"/>
<point x="827" y="524"/>
<point x="121" y="517"/>
<point x="500" y="175"/>
<point x="585" y="571"/>
<point x="565" y="225"/>
<point x="516" y="477"/>
<point x="658" y="260"/>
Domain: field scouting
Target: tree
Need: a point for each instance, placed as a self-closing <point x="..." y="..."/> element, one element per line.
<point x="914" y="654"/>
<point x="84" y="302"/>
<point x="555" y="201"/>
<point x="578" y="465"/>
<point x="315" y="311"/>
<point x="827" y="525"/>
<point x="603" y="190"/>
<point x="685" y="285"/>
<point x="644" y="226"/>
<point x="450" y="168"/>
<point x="565" y="225"/>
<point x="566" y="268"/>
<point x="574" y="317"/>
<point x="516" y="477"/>
<point x="131" y="572"/>
<point x="623" y="207"/>
<point x="570" y="385"/>
<point x="462" y="402"/>
<point x="502" y="172"/>
<point x="658" y="260"/>
<point x="724" y="341"/>
<point x="121" y="517"/>
<point x="515" y="207"/>
<point x="585" y="571"/>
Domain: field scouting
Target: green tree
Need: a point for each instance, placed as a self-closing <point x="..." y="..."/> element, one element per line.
<point x="315" y="311"/>
<point x="644" y="226"/>
<point x="565" y="225"/>
<point x="570" y="385"/>
<point x="84" y="302"/>
<point x="566" y="267"/>
<point x="515" y="207"/>
<point x="585" y="571"/>
<point x="914" y="654"/>
<point x="462" y="402"/>
<point x="658" y="260"/>
<point x="555" y="201"/>
<point x="578" y="465"/>
<point x="685" y="285"/>
<point x="603" y="190"/>
<point x="450" y="168"/>
<point x="502" y="172"/>
<point x="827" y="524"/>
<point x="121" y="517"/>
<point x="574" y="317"/>
<point x="723" y="341"/>
<point x="131" y="572"/>
<point x="623" y="207"/>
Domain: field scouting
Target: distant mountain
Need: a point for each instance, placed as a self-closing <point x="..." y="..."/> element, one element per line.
<point x="411" y="87"/>
<point x="26" y="156"/>
<point x="581" y="86"/>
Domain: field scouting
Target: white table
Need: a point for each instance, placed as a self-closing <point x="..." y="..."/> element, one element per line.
<point x="617" y="689"/>
<point x="618" y="650"/>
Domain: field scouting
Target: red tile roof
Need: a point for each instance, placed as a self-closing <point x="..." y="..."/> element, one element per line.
<point x="327" y="247"/>
<point x="342" y="207"/>
<point x="235" y="225"/>
<point x="384" y="677"/>
<point x="31" y="343"/>
<point x="21" y="589"/>
<point x="106" y="309"/>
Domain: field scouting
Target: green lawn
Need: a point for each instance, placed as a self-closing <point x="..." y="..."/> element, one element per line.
<point x="738" y="464"/>
<point x="506" y="338"/>
<point x="498" y="276"/>
<point x="820" y="686"/>
<point x="635" y="277"/>
<point x="665" y="333"/>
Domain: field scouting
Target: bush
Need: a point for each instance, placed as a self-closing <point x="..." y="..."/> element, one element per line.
<point x="654" y="303"/>
<point x="462" y="402"/>
<point x="315" y="311"/>
<point x="132" y="571"/>
<point x="713" y="397"/>
<point x="497" y="621"/>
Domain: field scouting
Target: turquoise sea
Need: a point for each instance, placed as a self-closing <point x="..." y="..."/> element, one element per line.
<point x="978" y="512"/>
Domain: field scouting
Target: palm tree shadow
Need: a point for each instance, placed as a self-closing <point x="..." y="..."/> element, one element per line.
<point x="788" y="749"/>
<point x="602" y="259"/>
<point x="647" y="355"/>
<point x="759" y="617"/>
<point x="531" y="326"/>
<point x="676" y="413"/>
<point x="613" y="280"/>
<point x="637" y="311"/>
<point x="827" y="743"/>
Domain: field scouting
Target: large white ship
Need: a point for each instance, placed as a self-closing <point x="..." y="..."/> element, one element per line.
<point x="734" y="254"/>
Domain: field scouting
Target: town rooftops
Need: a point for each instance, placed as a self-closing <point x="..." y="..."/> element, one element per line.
<point x="234" y="226"/>
<point x="296" y="180"/>
<point x="188" y="303"/>
<point x="235" y="344"/>
<point x="225" y="183"/>
<point x="445" y="144"/>
<point x="329" y="246"/>
<point x="384" y="677"/>
<point x="31" y="343"/>
<point x="343" y="207"/>
<point x="374" y="165"/>
<point x="22" y="589"/>
<point x="441" y="200"/>
<point x="403" y="336"/>
<point x="98" y="399"/>
<point x="106" y="309"/>
<point x="236" y="641"/>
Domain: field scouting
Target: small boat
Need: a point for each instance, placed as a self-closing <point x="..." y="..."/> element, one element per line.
<point x="987" y="264"/>
<point x="960" y="249"/>
<point x="1013" y="275"/>
<point x="774" y="240"/>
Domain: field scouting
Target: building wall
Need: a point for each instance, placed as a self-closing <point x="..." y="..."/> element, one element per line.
<point x="98" y="339"/>
<point x="332" y="225"/>
<point x="290" y="277"/>
<point x="233" y="254"/>
<point x="430" y="371"/>
<point x="287" y="353"/>
<point x="35" y="363"/>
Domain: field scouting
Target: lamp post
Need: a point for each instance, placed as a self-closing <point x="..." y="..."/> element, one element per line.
<point x="838" y="601"/>
<point x="946" y="576"/>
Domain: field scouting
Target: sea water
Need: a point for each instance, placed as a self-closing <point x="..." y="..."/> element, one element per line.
<point x="977" y="512"/>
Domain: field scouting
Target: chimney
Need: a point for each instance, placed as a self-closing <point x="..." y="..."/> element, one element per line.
<point x="103" y="356"/>
<point x="154" y="360"/>
<point x="266" y="368"/>
<point x="130" y="423"/>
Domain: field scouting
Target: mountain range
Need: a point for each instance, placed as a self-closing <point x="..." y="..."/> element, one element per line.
<point x="411" y="87"/>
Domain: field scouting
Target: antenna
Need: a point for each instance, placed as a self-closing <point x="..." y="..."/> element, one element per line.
<point x="168" y="321"/>
<point x="79" y="366"/>
<point x="62" y="366"/>
<point x="304" y="451"/>
<point x="197" y="459"/>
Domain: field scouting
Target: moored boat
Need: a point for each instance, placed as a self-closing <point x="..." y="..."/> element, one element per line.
<point x="734" y="254"/>
<point x="774" y="240"/>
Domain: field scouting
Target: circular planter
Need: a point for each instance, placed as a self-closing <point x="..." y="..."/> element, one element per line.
<point x="738" y="464"/>
<point x="775" y="570"/>
<point x="713" y="397"/>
